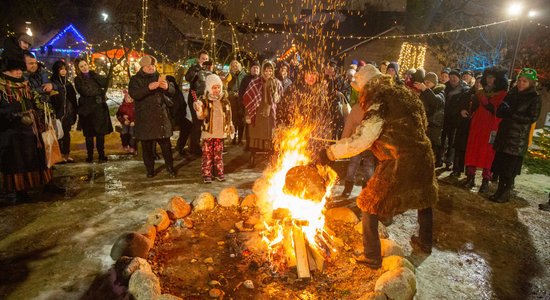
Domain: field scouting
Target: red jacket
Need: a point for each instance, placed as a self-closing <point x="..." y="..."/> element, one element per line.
<point x="126" y="108"/>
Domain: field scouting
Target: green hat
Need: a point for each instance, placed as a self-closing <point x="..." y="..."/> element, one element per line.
<point x="528" y="73"/>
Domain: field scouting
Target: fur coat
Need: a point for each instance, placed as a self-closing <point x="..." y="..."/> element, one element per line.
<point x="394" y="129"/>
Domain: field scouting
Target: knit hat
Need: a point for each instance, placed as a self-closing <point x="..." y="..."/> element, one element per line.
<point x="446" y="70"/>
<point x="393" y="65"/>
<point x="12" y="63"/>
<point x="528" y="73"/>
<point x="431" y="77"/>
<point x="455" y="72"/>
<point x="267" y="63"/>
<point x="351" y="72"/>
<point x="418" y="75"/>
<point x="468" y="72"/>
<point x="212" y="80"/>
<point x="26" y="38"/>
<point x="255" y="63"/>
<point x="363" y="76"/>
<point x="147" y="60"/>
<point x="355" y="62"/>
<point x="362" y="63"/>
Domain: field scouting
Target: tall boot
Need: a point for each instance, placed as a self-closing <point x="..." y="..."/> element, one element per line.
<point x="484" y="186"/>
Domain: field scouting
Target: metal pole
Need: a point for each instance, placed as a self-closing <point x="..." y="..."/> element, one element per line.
<point x="511" y="72"/>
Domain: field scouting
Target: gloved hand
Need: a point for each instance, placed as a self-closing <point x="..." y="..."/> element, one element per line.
<point x="323" y="157"/>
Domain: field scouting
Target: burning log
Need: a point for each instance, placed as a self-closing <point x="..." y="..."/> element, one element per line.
<point x="302" y="265"/>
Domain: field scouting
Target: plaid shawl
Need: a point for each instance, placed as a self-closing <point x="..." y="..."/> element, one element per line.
<point x="252" y="97"/>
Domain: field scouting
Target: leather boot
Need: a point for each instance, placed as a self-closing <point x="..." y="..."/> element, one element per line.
<point x="470" y="182"/>
<point x="484" y="188"/>
<point x="502" y="194"/>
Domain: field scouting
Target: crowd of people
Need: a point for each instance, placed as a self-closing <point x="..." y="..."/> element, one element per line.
<point x="474" y="120"/>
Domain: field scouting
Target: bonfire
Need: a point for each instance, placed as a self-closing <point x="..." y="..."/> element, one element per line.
<point x="292" y="198"/>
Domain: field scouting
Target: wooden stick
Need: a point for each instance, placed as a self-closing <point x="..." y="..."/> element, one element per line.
<point x="323" y="140"/>
<point x="317" y="257"/>
<point x="301" y="252"/>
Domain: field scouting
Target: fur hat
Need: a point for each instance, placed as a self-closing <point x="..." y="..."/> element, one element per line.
<point x="147" y="60"/>
<point x="431" y="77"/>
<point x="363" y="76"/>
<point x="393" y="65"/>
<point x="212" y="80"/>
<point x="9" y="64"/>
<point x="351" y="72"/>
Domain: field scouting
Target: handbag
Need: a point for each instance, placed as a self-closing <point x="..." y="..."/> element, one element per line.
<point x="49" y="138"/>
<point x="59" y="129"/>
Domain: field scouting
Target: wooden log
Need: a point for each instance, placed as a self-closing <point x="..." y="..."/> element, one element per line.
<point x="317" y="256"/>
<point x="289" y="248"/>
<point x="302" y="265"/>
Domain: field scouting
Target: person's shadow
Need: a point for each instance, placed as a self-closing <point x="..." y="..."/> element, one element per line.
<point x="468" y="224"/>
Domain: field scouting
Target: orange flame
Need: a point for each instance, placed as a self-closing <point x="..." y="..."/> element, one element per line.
<point x="292" y="148"/>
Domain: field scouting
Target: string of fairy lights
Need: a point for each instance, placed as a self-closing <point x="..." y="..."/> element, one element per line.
<point x="411" y="56"/>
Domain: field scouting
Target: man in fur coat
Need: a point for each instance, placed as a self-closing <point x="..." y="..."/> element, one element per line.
<point x="394" y="129"/>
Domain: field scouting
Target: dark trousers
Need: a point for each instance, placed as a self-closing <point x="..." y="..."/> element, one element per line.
<point x="458" y="163"/>
<point x="195" y="138"/>
<point x="447" y="151"/>
<point x="185" y="131"/>
<point x="240" y="133"/>
<point x="247" y="135"/>
<point x="65" y="142"/>
<point x="149" y="154"/>
<point x="127" y="140"/>
<point x="99" y="145"/>
<point x="371" y="240"/>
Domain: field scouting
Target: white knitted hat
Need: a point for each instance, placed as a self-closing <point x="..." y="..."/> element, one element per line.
<point x="212" y="80"/>
<point x="365" y="74"/>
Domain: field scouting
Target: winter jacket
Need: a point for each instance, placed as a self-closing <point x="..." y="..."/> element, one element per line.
<point x="92" y="110"/>
<point x="453" y="104"/>
<point x="128" y="109"/>
<point x="237" y="107"/>
<point x="64" y="103"/>
<point x="518" y="111"/>
<point x="209" y="118"/>
<point x="394" y="129"/>
<point x="151" y="107"/>
<point x="434" y="106"/>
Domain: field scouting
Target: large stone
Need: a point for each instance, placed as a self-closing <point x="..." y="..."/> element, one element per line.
<point x="397" y="284"/>
<point x="305" y="182"/>
<point x="249" y="201"/>
<point x="390" y="247"/>
<point x="229" y="197"/>
<point x="178" y="208"/>
<point x="126" y="266"/>
<point x="342" y="214"/>
<point x="169" y="297"/>
<point x="393" y="262"/>
<point x="382" y="230"/>
<point x="204" y="201"/>
<point x="130" y="244"/>
<point x="160" y="219"/>
<point x="144" y="285"/>
<point x="150" y="232"/>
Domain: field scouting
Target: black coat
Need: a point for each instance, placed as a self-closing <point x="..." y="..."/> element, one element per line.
<point x="64" y="103"/>
<point x="434" y="106"/>
<point x="152" y="112"/>
<point x="518" y="111"/>
<point x="92" y="110"/>
<point x="454" y="98"/>
<point x="196" y="76"/>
